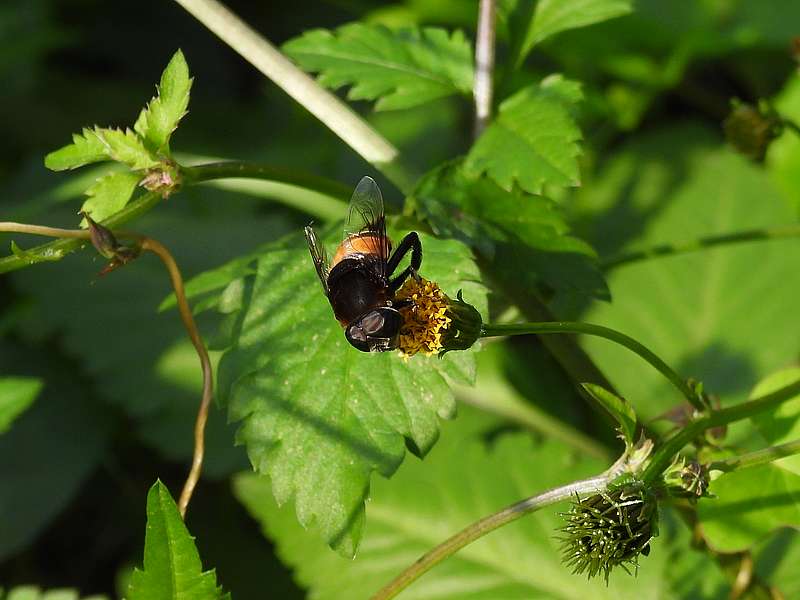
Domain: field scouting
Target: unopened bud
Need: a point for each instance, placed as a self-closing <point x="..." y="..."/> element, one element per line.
<point x="686" y="479"/>
<point x="750" y="129"/>
<point x="106" y="244"/>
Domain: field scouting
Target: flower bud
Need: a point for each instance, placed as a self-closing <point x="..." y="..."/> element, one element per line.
<point x="164" y="179"/>
<point x="686" y="479"/>
<point x="608" y="529"/>
<point x="106" y="244"/>
<point x="750" y="129"/>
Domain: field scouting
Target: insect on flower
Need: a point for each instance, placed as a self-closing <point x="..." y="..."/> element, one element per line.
<point x="359" y="281"/>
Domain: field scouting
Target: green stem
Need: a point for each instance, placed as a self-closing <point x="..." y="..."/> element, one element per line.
<point x="664" y="454"/>
<point x="789" y="124"/>
<point x="335" y="114"/>
<point x="603" y="332"/>
<point x="700" y="244"/>
<point x="326" y="199"/>
<point x="65" y="246"/>
<point x="490" y="523"/>
<point x="759" y="457"/>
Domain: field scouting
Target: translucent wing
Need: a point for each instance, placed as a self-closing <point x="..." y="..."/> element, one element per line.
<point x="365" y="227"/>
<point x="319" y="256"/>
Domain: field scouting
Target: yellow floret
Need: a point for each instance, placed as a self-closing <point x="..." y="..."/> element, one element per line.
<point x="425" y="320"/>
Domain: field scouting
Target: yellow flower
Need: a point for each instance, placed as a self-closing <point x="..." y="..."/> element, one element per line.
<point x="425" y="320"/>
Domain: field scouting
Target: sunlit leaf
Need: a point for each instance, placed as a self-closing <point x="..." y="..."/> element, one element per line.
<point x="16" y="395"/>
<point x="619" y="408"/>
<point x="782" y="424"/>
<point x="159" y="119"/>
<point x="318" y="416"/>
<point x="86" y="148"/>
<point x="533" y="142"/>
<point x="533" y="21"/>
<point x="110" y="194"/>
<point x="461" y="481"/>
<point x="172" y="568"/>
<point x="398" y="68"/>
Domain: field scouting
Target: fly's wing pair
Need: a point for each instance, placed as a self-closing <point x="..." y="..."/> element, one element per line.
<point x="364" y="230"/>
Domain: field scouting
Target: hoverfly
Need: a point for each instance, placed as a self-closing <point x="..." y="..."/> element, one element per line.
<point x="359" y="281"/>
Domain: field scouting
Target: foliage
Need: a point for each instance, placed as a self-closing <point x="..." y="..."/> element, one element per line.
<point x="600" y="191"/>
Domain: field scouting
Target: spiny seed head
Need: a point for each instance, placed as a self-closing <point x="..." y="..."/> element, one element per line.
<point x="433" y="323"/>
<point x="609" y="529"/>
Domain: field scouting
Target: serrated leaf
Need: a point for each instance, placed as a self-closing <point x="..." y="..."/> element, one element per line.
<point x="159" y="119"/>
<point x="695" y="311"/>
<point x="525" y="237"/>
<point x="460" y="482"/>
<point x="126" y="147"/>
<point x="398" y="68"/>
<point x="109" y="195"/>
<point x="32" y="257"/>
<point x="85" y="149"/>
<point x="533" y="21"/>
<point x="782" y="424"/>
<point x="317" y="415"/>
<point x="172" y="567"/>
<point x="748" y="505"/>
<point x="533" y="142"/>
<point x="16" y="395"/>
<point x="619" y="408"/>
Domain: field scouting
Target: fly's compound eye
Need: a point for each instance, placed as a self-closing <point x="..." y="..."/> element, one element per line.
<point x="372" y="323"/>
<point x="356" y="333"/>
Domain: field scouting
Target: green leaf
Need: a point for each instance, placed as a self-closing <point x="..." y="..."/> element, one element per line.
<point x="126" y="147"/>
<point x="160" y="118"/>
<point x="781" y="425"/>
<point x="32" y="592"/>
<point x="398" y="68"/>
<point x="109" y="194"/>
<point x="533" y="21"/>
<point x="619" y="408"/>
<point x="172" y="568"/>
<point x="533" y="142"/>
<point x="32" y="256"/>
<point x="525" y="237"/>
<point x="85" y="149"/>
<point x="748" y="505"/>
<point x="16" y="395"/>
<point x="693" y="310"/>
<point x="317" y="415"/>
<point x="460" y="482"/>
<point x="783" y="157"/>
<point x="776" y="561"/>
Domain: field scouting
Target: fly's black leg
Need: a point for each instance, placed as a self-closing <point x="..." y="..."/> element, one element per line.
<point x="410" y="243"/>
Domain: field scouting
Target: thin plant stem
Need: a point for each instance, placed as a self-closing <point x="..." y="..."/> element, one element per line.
<point x="488" y="524"/>
<point x="150" y="245"/>
<point x="663" y="454"/>
<point x="751" y="235"/>
<point x="483" y="86"/>
<point x="549" y="327"/>
<point x="334" y="114"/>
<point x="70" y="243"/>
<point x="759" y="457"/>
<point x="791" y="125"/>
<point x="166" y="257"/>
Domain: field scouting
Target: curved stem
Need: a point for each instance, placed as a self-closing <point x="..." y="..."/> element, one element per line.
<point x="603" y="332"/>
<point x="663" y="455"/>
<point x="335" y="114"/>
<point x="490" y="523"/>
<point x="328" y="201"/>
<point x="72" y="241"/>
<point x="484" y="65"/>
<point x="208" y="386"/>
<point x="750" y="235"/>
<point x="759" y="457"/>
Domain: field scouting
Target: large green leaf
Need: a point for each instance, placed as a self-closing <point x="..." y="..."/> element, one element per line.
<point x="781" y="425"/>
<point x="16" y="395"/>
<point x="748" y="505"/>
<point x="319" y="416"/>
<point x="461" y="481"/>
<point x="532" y="21"/>
<point x="776" y="561"/>
<point x="783" y="158"/>
<point x="172" y="568"/>
<point x="525" y="237"/>
<point x="159" y="119"/>
<point x="110" y="194"/>
<point x="533" y="142"/>
<point x="721" y="314"/>
<point x="399" y="69"/>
